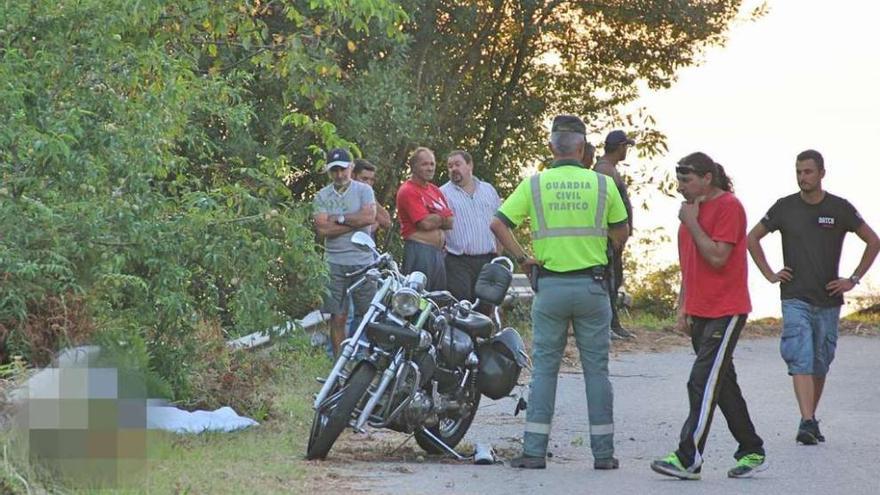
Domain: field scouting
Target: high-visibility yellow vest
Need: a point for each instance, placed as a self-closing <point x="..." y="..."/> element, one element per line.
<point x="570" y="209"/>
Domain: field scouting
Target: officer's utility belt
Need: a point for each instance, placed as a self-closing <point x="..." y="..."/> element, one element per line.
<point x="596" y="272"/>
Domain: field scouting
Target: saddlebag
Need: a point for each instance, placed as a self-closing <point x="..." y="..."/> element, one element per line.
<point x="502" y="359"/>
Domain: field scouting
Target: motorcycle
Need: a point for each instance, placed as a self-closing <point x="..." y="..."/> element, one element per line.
<point x="419" y="361"/>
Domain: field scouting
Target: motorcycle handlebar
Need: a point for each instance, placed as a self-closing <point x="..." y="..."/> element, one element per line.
<point x="382" y="259"/>
<point x="462" y="307"/>
<point x="357" y="284"/>
<point x="440" y="294"/>
<point x="358" y="272"/>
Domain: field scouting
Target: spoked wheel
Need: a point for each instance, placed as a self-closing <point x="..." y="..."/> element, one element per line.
<point x="450" y="430"/>
<point x="335" y="413"/>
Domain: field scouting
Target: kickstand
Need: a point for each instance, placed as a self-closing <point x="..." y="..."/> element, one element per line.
<point x="442" y="444"/>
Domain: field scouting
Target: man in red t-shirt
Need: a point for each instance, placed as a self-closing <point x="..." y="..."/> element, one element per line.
<point x="424" y="217"/>
<point x="713" y="306"/>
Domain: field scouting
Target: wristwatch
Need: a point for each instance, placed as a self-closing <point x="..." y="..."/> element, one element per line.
<point x="855" y="279"/>
<point x="340" y="219"/>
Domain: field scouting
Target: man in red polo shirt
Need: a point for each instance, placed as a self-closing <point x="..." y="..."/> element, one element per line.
<point x="713" y="306"/>
<point x="424" y="217"/>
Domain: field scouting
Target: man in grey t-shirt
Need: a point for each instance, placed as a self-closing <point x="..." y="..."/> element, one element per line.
<point x="342" y="208"/>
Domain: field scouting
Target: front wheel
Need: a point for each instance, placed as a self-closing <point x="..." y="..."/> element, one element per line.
<point x="450" y="430"/>
<point x="335" y="413"/>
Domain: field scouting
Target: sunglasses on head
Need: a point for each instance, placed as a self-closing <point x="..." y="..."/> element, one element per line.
<point x="685" y="169"/>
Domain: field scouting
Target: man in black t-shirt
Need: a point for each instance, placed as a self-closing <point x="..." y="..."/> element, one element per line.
<point x="813" y="224"/>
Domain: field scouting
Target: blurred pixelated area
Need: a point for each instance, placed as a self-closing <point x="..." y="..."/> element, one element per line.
<point x="80" y="423"/>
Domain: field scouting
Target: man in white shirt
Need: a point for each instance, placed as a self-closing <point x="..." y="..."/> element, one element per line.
<point x="470" y="244"/>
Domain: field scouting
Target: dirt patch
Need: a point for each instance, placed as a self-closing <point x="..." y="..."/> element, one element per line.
<point x="357" y="458"/>
<point x="381" y="446"/>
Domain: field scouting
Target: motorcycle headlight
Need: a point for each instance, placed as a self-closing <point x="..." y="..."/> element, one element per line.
<point x="405" y="302"/>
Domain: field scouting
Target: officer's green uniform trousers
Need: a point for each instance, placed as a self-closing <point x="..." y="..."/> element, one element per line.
<point x="583" y="302"/>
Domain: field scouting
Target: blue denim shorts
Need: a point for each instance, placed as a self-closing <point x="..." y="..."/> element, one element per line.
<point x="809" y="337"/>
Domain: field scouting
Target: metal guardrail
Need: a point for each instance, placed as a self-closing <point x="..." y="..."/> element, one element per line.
<point x="520" y="289"/>
<point x="257" y="339"/>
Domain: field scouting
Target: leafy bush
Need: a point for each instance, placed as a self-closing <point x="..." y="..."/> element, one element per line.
<point x="221" y="376"/>
<point x="137" y="201"/>
<point x="152" y="153"/>
<point x="654" y="289"/>
<point x="656" y="292"/>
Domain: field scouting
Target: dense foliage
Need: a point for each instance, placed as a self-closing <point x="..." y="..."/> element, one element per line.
<point x="654" y="289"/>
<point x="139" y="196"/>
<point x="486" y="75"/>
<point x="157" y="158"/>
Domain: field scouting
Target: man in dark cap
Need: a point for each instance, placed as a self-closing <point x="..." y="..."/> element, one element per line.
<point x="617" y="143"/>
<point x="573" y="213"/>
<point x="342" y="208"/>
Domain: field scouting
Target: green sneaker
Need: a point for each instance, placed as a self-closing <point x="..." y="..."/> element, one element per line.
<point x="747" y="466"/>
<point x="672" y="466"/>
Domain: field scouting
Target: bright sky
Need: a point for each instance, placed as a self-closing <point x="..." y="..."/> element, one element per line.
<point x="804" y="76"/>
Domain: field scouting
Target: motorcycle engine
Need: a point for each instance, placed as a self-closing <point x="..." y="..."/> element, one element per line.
<point x="420" y="411"/>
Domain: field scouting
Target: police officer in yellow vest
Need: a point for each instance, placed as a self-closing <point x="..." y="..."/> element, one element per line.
<point x="573" y="212"/>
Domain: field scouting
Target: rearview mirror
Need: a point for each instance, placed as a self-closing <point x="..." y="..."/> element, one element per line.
<point x="363" y="240"/>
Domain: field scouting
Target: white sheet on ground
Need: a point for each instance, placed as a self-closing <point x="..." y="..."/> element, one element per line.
<point x="179" y="421"/>
<point x="53" y="383"/>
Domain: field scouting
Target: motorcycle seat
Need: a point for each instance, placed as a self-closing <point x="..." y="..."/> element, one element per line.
<point x="476" y="325"/>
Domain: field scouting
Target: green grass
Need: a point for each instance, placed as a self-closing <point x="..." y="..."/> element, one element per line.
<point x="263" y="459"/>
<point x="519" y="317"/>
<point x="645" y="321"/>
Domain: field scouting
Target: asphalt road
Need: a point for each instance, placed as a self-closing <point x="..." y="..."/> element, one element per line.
<point x="650" y="405"/>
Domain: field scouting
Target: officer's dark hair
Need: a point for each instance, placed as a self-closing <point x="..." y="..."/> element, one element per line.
<point x="414" y="157"/>
<point x="463" y="154"/>
<point x="360" y="165"/>
<point x="701" y="164"/>
<point x="812" y="155"/>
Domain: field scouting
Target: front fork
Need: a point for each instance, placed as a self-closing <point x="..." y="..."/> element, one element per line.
<point x="352" y="344"/>
<point x="389" y="374"/>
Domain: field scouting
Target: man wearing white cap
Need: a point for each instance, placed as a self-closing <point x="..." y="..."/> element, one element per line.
<point x="342" y="208"/>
